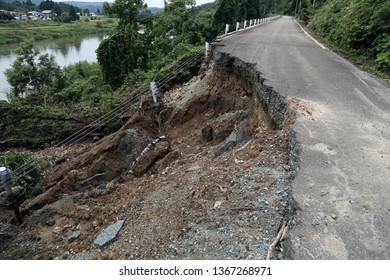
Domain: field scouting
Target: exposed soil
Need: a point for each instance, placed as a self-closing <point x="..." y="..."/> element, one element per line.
<point x="216" y="186"/>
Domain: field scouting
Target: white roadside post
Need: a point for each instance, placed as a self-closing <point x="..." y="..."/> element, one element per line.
<point x="244" y="24"/>
<point x="207" y="48"/>
<point x="7" y="180"/>
<point x="13" y="196"/>
<point x="250" y="23"/>
<point x="226" y="29"/>
<point x="237" y="26"/>
<point x="154" y="90"/>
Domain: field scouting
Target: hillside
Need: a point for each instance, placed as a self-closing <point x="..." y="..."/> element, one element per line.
<point x="215" y="186"/>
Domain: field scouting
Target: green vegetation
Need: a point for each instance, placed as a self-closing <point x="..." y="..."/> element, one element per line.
<point x="361" y="28"/>
<point x="32" y="73"/>
<point x="22" y="30"/>
<point x="30" y="179"/>
<point x="167" y="35"/>
<point x="60" y="8"/>
<point x="47" y="102"/>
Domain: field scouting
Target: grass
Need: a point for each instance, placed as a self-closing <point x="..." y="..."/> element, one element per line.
<point x="18" y="31"/>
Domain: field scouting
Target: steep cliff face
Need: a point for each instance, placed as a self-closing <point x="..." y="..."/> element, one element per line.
<point x="203" y="174"/>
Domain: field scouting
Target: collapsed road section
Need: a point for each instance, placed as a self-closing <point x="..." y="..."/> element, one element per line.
<point x="204" y="175"/>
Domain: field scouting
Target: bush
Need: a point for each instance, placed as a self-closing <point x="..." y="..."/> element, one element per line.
<point x="359" y="27"/>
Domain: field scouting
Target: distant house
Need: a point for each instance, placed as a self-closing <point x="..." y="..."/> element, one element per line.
<point x="48" y="14"/>
<point x="34" y="15"/>
<point x="4" y="12"/>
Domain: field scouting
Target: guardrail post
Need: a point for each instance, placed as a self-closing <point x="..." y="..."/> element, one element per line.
<point x="154" y="90"/>
<point x="250" y="23"/>
<point x="207" y="48"/>
<point x="226" y="29"/>
<point x="244" y="24"/>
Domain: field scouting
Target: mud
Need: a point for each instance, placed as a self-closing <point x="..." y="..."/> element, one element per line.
<point x="217" y="187"/>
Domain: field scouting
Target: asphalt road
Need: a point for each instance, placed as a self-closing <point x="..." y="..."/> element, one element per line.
<point x="343" y="182"/>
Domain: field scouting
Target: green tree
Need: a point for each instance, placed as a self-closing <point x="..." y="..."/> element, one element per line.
<point x="73" y="13"/>
<point x="30" y="4"/>
<point x="32" y="72"/>
<point x="106" y="8"/>
<point x="86" y="12"/>
<point x="46" y="5"/>
<point x="177" y="21"/>
<point x="57" y="9"/>
<point x="226" y="13"/>
<point x="122" y="52"/>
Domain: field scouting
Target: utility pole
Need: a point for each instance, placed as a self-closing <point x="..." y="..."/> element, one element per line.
<point x="296" y="7"/>
<point x="314" y="4"/>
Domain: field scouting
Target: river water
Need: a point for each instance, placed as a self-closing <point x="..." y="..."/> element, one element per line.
<point x="66" y="51"/>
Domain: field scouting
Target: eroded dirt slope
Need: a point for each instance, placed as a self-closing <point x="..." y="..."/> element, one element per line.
<point x="203" y="175"/>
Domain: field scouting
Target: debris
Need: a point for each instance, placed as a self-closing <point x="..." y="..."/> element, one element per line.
<point x="96" y="177"/>
<point x="193" y="168"/>
<point x="334" y="217"/>
<point x="149" y="156"/>
<point x="258" y="186"/>
<point x="217" y="204"/>
<point x="323" y="193"/>
<point x="222" y="189"/>
<point x="48" y="221"/>
<point x="281" y="234"/>
<point x="207" y="134"/>
<point x="57" y="230"/>
<point x="163" y="205"/>
<point x="74" y="236"/>
<point x="8" y="231"/>
<point x="109" y="234"/>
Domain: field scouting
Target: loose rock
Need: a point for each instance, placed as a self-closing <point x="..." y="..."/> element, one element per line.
<point x="74" y="236"/>
<point x="109" y="234"/>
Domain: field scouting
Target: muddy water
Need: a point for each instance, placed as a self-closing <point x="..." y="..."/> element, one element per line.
<point x="66" y="51"/>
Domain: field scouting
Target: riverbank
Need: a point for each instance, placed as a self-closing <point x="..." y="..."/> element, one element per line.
<point x="19" y="31"/>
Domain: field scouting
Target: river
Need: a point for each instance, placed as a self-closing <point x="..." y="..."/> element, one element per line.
<point x="66" y="51"/>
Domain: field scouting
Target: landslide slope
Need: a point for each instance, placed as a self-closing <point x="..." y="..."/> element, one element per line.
<point x="202" y="175"/>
